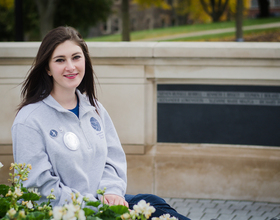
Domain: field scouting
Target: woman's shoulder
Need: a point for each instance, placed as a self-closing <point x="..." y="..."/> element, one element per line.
<point x="99" y="106"/>
<point x="101" y="109"/>
<point x="27" y="112"/>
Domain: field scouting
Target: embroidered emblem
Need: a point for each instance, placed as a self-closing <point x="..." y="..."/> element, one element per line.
<point x="53" y="133"/>
<point x="71" y="141"/>
<point x="95" y="124"/>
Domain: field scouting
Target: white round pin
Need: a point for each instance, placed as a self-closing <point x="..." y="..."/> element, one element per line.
<point x="71" y="141"/>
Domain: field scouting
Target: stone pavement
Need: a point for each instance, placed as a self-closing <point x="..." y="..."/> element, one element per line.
<point x="207" y="209"/>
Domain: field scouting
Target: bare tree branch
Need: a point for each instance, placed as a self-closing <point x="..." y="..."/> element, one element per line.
<point x="205" y="7"/>
<point x="224" y="6"/>
<point x="217" y="8"/>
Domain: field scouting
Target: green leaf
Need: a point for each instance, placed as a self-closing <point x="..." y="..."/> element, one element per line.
<point x="5" y="206"/>
<point x="92" y="203"/>
<point x="4" y="189"/>
<point x="23" y="189"/>
<point x="119" y="209"/>
<point x="35" y="216"/>
<point x="5" y="218"/>
<point x="104" y="207"/>
<point x="88" y="211"/>
<point x="44" y="203"/>
<point x="30" y="196"/>
<point x="108" y="214"/>
<point x="93" y="218"/>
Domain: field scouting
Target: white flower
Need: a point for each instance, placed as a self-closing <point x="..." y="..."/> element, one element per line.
<point x="72" y="210"/>
<point x="9" y="193"/>
<point x="165" y="217"/>
<point x="69" y="215"/>
<point x="29" y="205"/>
<point x="148" y="212"/>
<point x="133" y="213"/>
<point x="29" y="166"/>
<point x="1" y="165"/>
<point x="144" y="208"/>
<point x="140" y="207"/>
<point x="71" y="207"/>
<point x="68" y="212"/>
<point x="18" y="192"/>
<point x="11" y="212"/>
<point x="125" y="216"/>
<point x="34" y="190"/>
<point x="81" y="215"/>
<point x="51" y="196"/>
<point x="22" y="214"/>
<point x="57" y="212"/>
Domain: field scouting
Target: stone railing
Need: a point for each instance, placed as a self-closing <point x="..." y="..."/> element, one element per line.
<point x="128" y="75"/>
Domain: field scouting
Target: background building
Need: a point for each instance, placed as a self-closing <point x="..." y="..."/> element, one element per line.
<point x="274" y="6"/>
<point x="140" y="19"/>
<point x="151" y="18"/>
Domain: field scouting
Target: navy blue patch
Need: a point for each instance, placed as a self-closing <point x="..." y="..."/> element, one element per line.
<point x="53" y="133"/>
<point x="95" y="124"/>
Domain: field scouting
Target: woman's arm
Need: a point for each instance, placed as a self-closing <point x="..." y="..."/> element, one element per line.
<point x="114" y="176"/>
<point x="29" y="148"/>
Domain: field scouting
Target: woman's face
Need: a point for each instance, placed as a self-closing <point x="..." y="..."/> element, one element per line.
<point x="67" y="67"/>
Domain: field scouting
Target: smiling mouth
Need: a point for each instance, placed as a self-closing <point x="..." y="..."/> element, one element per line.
<point x="71" y="75"/>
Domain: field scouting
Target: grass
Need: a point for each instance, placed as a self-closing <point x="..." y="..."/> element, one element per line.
<point x="147" y="34"/>
<point x="230" y="36"/>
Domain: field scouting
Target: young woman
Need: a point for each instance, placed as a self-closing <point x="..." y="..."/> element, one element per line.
<point x="66" y="134"/>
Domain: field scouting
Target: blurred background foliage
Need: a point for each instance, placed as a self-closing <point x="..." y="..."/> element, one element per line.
<point x="40" y="16"/>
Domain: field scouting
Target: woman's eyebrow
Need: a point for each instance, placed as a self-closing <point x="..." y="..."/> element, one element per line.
<point x="59" y="56"/>
<point x="76" y="53"/>
<point x="62" y="56"/>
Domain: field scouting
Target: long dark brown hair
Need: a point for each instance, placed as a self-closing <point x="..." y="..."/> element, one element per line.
<point x="38" y="84"/>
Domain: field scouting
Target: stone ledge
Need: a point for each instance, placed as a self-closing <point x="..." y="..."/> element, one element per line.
<point x="217" y="150"/>
<point x="207" y="171"/>
<point x="157" y="49"/>
<point x="19" y="49"/>
<point x="121" y="49"/>
<point x="6" y="149"/>
<point x="217" y="49"/>
<point x="133" y="148"/>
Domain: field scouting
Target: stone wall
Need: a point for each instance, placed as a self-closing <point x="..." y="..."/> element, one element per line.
<point x="128" y="75"/>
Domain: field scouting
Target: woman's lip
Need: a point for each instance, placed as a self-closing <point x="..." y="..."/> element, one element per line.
<point x="71" y="76"/>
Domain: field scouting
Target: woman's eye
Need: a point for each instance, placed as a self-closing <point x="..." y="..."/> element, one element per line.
<point x="59" y="60"/>
<point x="76" y="57"/>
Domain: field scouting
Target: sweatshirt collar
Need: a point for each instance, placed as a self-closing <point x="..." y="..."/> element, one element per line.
<point x="84" y="104"/>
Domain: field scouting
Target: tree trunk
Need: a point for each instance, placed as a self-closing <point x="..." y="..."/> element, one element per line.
<point x="18" y="21"/>
<point x="264" y="8"/>
<point x="125" y="21"/>
<point x="238" y="21"/>
<point x="46" y="9"/>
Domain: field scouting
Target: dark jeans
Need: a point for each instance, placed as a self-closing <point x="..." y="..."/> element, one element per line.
<point x="158" y="203"/>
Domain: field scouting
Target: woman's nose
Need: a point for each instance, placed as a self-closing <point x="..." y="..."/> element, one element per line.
<point x="69" y="66"/>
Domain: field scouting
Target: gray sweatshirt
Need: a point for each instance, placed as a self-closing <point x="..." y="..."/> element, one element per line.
<point x="67" y="153"/>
